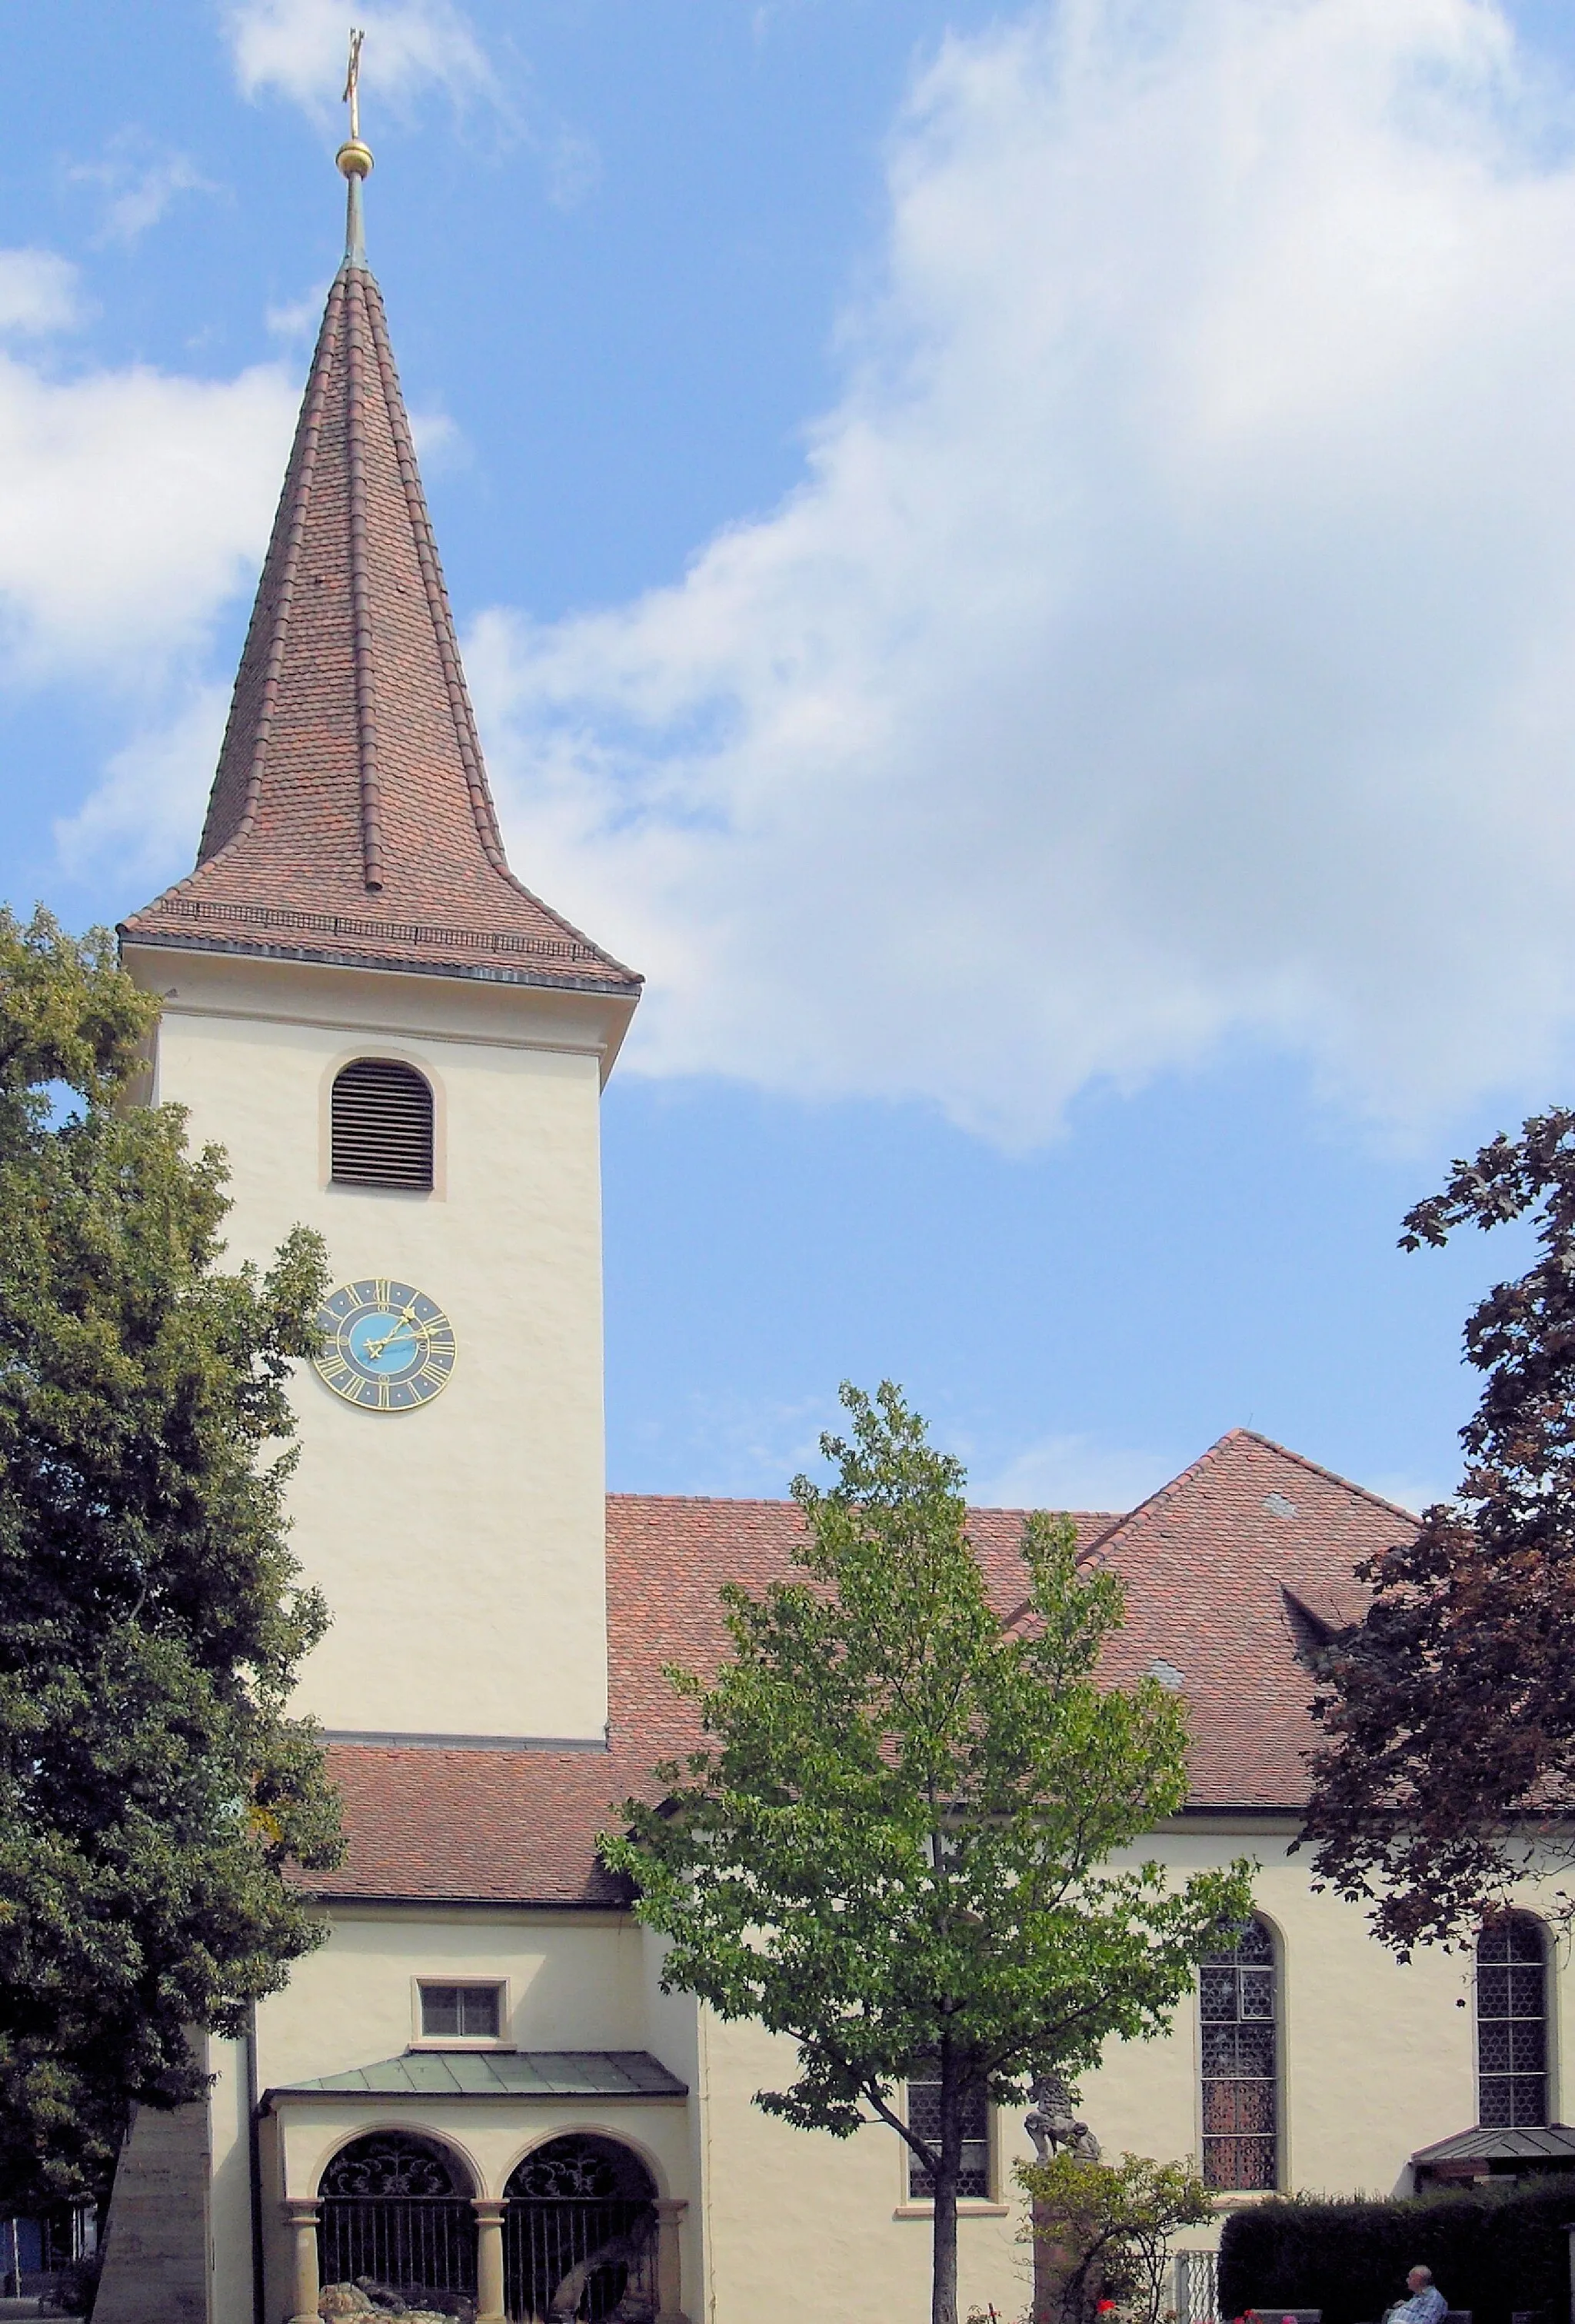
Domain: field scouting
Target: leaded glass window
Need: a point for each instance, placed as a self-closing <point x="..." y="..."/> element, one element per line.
<point x="1240" y="2062"/>
<point x="924" y="2115"/>
<point x="1512" y="2023"/>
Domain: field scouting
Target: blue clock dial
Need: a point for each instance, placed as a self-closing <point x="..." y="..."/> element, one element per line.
<point x="387" y="1346"/>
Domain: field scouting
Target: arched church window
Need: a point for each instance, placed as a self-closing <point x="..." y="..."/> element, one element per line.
<point x="1512" y="2022"/>
<point x="381" y="1126"/>
<point x="1239" y="2000"/>
<point x="393" y="2208"/>
<point x="580" y="2233"/>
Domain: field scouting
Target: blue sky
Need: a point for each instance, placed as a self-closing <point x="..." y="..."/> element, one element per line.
<point x="1019" y="560"/>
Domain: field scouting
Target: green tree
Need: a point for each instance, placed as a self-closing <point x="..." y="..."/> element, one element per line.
<point x="1108" y="2227"/>
<point x="153" y="1789"/>
<point x="1448" y="1711"/>
<point x="895" y="1846"/>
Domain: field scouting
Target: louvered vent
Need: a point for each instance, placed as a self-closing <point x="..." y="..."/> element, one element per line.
<point x="382" y="1126"/>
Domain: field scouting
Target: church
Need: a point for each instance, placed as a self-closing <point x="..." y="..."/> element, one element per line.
<point x="476" y="2090"/>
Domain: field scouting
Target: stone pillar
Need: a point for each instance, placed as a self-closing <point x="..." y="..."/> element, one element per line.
<point x="301" y="2214"/>
<point x="489" y="2258"/>
<point x="670" y="2270"/>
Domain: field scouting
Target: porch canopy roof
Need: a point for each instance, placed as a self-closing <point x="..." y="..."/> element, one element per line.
<point x="1553" y="2142"/>
<point x="497" y="2074"/>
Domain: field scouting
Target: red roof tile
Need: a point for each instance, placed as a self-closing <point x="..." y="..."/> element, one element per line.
<point x="1210" y="1564"/>
<point x="351" y="818"/>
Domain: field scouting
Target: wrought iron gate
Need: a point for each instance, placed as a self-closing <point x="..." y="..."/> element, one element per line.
<point x="580" y="2235"/>
<point x="389" y="2212"/>
<point x="408" y="2245"/>
<point x="575" y="2259"/>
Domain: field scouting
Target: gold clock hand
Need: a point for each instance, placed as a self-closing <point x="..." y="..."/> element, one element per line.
<point x="374" y="1348"/>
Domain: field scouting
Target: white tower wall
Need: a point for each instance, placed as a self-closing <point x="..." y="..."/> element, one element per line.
<point x="460" y="1546"/>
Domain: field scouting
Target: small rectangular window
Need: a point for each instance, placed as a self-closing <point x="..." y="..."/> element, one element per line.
<point x="924" y="2115"/>
<point x="460" y="2013"/>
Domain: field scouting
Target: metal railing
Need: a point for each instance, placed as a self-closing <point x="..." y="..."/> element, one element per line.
<point x="1197" y="2287"/>
<point x="411" y="2242"/>
<point x="565" y="2258"/>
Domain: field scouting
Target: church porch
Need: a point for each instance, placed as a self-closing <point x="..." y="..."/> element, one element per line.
<point x="533" y="2185"/>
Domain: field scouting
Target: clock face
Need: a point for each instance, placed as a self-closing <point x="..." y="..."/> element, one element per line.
<point x="387" y="1347"/>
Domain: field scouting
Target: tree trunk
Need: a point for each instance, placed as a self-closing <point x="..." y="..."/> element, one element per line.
<point x="944" y="2281"/>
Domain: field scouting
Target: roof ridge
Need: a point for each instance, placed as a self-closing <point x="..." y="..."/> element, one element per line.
<point x="362" y="663"/>
<point x="437" y="605"/>
<point x="1172" y="1484"/>
<point x="1330" y="1476"/>
<point x="786" y="1502"/>
<point x="1270" y="1444"/>
<point x="309" y="435"/>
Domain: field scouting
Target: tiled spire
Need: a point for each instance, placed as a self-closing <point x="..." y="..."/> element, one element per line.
<point x="351" y="817"/>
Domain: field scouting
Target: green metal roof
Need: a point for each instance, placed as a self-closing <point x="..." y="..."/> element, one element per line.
<point x="1554" y="2142"/>
<point x="498" y="2074"/>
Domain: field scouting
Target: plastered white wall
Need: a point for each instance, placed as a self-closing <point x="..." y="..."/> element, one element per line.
<point x="460" y="1546"/>
<point x="1378" y="2060"/>
<point x="1376" y="2057"/>
<point x="231" y="2201"/>
<point x="677" y="2031"/>
<point x="574" y="1982"/>
<point x="799" y="2223"/>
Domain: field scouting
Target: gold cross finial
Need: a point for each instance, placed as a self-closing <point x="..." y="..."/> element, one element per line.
<point x="354" y="158"/>
<point x="352" y="96"/>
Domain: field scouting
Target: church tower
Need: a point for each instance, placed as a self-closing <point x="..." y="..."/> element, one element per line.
<point x="398" y="1044"/>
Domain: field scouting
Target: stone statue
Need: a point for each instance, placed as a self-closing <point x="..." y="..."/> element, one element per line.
<point x="1053" y="2124"/>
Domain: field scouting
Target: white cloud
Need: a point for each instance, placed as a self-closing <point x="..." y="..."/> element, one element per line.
<point x="298" y="47"/>
<point x="1072" y="1473"/>
<point x="1173" y="641"/>
<point x="38" y="292"/>
<point x="142" y="818"/>
<point x="298" y="319"/>
<point x="133" y="506"/>
<point x="439" y="440"/>
<point x="138" y="186"/>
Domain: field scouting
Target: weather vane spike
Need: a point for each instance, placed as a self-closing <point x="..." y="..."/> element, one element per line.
<point x="355" y="157"/>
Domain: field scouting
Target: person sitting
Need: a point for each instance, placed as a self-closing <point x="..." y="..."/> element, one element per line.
<point x="1426" y="2305"/>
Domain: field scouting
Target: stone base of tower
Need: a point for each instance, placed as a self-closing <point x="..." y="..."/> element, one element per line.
<point x="157" y="2262"/>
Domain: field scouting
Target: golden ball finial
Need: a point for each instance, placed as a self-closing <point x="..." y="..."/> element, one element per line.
<point x="353" y="158"/>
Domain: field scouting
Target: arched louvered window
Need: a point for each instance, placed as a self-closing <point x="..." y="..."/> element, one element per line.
<point x="1512" y="2023"/>
<point x="1240" y="2062"/>
<point x="381" y="1126"/>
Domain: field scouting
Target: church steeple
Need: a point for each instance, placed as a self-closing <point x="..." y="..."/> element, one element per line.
<point x="351" y="817"/>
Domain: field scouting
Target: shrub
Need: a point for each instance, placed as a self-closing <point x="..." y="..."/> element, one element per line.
<point x="1495" y="2249"/>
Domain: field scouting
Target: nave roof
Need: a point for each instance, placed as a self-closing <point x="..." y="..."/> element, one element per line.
<point x="1228" y="1569"/>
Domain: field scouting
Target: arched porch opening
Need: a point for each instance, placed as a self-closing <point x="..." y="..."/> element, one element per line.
<point x="395" y="2211"/>
<point x="580" y="2235"/>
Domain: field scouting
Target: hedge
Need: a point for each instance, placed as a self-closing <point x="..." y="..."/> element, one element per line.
<point x="1495" y="2249"/>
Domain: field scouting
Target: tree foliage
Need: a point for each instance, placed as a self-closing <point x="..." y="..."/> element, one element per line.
<point x="1450" y="1709"/>
<point x="895" y="1846"/>
<point x="1108" y="2226"/>
<point x="152" y="1788"/>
